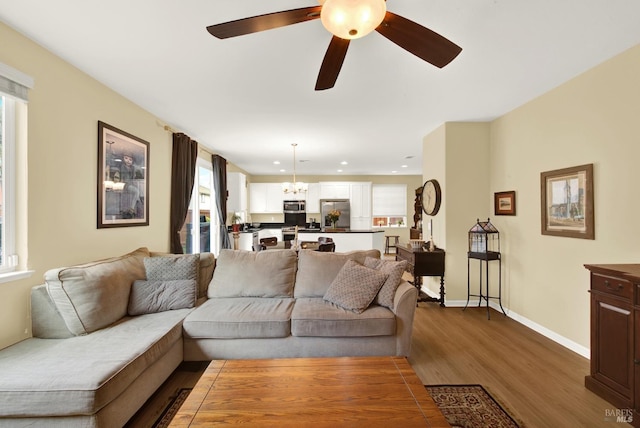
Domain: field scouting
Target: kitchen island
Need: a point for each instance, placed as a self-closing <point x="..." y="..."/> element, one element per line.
<point x="348" y="240"/>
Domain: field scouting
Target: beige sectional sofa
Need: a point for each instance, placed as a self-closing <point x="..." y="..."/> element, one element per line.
<point x="93" y="363"/>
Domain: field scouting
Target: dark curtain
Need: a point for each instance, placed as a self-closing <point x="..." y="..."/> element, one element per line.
<point x="220" y="187"/>
<point x="183" y="171"/>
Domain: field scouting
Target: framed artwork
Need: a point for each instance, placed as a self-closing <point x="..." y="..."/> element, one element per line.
<point x="505" y="203"/>
<point x="567" y="202"/>
<point x="123" y="178"/>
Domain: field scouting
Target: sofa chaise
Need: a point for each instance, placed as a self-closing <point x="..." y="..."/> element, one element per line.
<point x="107" y="334"/>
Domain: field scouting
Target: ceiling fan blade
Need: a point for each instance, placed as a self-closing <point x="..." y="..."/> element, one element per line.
<point x="269" y="21"/>
<point x="332" y="63"/>
<point x="420" y="41"/>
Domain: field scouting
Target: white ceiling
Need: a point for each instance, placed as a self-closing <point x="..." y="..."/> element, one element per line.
<point x="250" y="97"/>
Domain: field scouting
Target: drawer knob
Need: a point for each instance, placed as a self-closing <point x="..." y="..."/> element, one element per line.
<point x="608" y="285"/>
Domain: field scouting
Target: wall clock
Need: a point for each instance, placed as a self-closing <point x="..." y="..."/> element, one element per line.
<point x="431" y="197"/>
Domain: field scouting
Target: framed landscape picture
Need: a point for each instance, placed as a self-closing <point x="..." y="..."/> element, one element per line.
<point x="567" y="202"/>
<point x="505" y="203"/>
<point x="123" y="178"/>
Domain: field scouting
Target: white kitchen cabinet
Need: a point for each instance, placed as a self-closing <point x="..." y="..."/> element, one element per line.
<point x="313" y="198"/>
<point x="334" y="190"/>
<point x="265" y="198"/>
<point x="360" y="197"/>
<point x="237" y="188"/>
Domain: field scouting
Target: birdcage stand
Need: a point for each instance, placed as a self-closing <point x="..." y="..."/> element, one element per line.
<point x="484" y="257"/>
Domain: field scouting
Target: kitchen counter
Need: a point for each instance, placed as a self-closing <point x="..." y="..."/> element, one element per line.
<point x="348" y="240"/>
<point x="340" y="231"/>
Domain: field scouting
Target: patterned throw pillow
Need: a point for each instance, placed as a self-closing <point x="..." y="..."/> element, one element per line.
<point x="394" y="270"/>
<point x="355" y="287"/>
<point x="172" y="268"/>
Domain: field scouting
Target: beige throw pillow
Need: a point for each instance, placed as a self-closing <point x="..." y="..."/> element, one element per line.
<point x="355" y="287"/>
<point x="394" y="270"/>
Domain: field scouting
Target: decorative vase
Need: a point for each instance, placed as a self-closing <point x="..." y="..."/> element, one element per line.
<point x="235" y="227"/>
<point x="333" y="224"/>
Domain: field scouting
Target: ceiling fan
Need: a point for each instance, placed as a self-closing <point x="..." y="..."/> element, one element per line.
<point x="347" y="20"/>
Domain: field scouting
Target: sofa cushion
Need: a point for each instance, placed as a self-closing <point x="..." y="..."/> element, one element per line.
<point x="94" y="295"/>
<point x="241" y="317"/>
<point x="315" y="317"/>
<point x="150" y="296"/>
<point x="253" y="274"/>
<point x="317" y="270"/>
<point x="355" y="286"/>
<point x="394" y="270"/>
<point x="82" y="374"/>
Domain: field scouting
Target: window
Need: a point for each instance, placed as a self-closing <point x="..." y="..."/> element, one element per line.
<point x="389" y="205"/>
<point x="200" y="231"/>
<point x="14" y="86"/>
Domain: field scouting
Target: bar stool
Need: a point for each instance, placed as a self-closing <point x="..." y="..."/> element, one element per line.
<point x="388" y="245"/>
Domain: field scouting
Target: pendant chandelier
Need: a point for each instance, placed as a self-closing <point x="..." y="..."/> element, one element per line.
<point x="295" y="187"/>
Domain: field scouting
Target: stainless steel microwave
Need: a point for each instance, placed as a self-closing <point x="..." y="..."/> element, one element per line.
<point x="290" y="207"/>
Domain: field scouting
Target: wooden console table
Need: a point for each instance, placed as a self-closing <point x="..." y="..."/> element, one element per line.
<point x="421" y="263"/>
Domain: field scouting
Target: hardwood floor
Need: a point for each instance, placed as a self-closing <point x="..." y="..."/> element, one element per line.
<point x="540" y="382"/>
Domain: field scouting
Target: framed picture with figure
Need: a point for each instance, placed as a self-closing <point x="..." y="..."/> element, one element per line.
<point x="567" y="202"/>
<point x="123" y="178"/>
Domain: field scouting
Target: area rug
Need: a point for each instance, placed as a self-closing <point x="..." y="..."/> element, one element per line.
<point x="172" y="408"/>
<point x="470" y="406"/>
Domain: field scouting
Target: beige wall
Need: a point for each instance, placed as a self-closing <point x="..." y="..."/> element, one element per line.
<point x="590" y="119"/>
<point x="61" y="179"/>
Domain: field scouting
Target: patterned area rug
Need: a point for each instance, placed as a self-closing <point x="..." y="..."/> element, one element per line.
<point x="464" y="406"/>
<point x="470" y="406"/>
<point x="170" y="411"/>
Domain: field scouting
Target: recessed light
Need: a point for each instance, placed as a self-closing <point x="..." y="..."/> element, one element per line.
<point x="276" y="162"/>
<point x="394" y="172"/>
<point x="339" y="170"/>
<point x="405" y="166"/>
<point x="344" y="163"/>
<point x="283" y="170"/>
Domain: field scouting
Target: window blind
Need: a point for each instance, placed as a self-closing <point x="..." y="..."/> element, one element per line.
<point x="389" y="200"/>
<point x="15" y="83"/>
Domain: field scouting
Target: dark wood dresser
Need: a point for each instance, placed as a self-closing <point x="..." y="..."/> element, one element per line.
<point x="423" y="263"/>
<point x="615" y="337"/>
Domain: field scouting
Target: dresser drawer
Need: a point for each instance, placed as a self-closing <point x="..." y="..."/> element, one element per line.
<point x="611" y="285"/>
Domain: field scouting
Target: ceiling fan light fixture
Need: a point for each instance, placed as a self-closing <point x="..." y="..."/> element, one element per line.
<point x="352" y="19"/>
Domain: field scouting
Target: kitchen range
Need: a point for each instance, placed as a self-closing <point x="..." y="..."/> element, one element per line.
<point x="295" y="215"/>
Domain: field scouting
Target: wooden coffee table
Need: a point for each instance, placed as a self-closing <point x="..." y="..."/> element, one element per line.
<point x="366" y="391"/>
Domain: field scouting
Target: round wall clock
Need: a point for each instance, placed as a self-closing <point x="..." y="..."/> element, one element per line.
<point x="431" y="197"/>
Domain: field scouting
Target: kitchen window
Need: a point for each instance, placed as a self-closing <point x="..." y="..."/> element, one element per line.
<point x="389" y="205"/>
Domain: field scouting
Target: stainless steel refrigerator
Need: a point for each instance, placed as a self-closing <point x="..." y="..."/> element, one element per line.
<point x="342" y="205"/>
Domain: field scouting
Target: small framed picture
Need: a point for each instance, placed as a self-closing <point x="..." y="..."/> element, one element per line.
<point x="123" y="178"/>
<point x="505" y="203"/>
<point x="567" y="202"/>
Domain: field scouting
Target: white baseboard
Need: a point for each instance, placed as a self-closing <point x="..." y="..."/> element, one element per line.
<point x="569" y="344"/>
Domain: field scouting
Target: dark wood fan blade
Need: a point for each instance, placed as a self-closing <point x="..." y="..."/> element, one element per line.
<point x="420" y="41"/>
<point x="264" y="22"/>
<point x="332" y="63"/>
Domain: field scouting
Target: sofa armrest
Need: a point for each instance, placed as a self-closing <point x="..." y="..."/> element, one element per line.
<point x="404" y="307"/>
